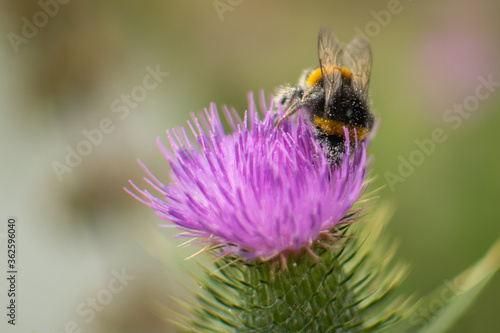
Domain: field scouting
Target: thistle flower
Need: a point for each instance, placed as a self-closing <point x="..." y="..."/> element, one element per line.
<point x="258" y="191"/>
<point x="261" y="192"/>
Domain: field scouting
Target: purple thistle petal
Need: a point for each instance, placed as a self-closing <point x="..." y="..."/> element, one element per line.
<point x="259" y="191"/>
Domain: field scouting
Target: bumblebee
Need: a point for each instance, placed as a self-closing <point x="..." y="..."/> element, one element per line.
<point x="334" y="95"/>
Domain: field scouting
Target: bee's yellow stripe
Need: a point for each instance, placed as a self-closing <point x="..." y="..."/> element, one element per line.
<point x="346" y="74"/>
<point x="316" y="76"/>
<point x="335" y="127"/>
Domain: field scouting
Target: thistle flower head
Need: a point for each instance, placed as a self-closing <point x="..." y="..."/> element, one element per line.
<point x="256" y="191"/>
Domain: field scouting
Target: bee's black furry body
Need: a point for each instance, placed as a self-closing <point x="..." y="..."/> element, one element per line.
<point x="335" y="94"/>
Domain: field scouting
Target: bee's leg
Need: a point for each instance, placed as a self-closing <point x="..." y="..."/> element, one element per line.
<point x="290" y="111"/>
<point x="311" y="99"/>
<point x="371" y="121"/>
<point x="290" y="99"/>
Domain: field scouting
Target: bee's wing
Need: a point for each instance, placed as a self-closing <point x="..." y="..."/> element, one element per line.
<point x="330" y="53"/>
<point x="358" y="58"/>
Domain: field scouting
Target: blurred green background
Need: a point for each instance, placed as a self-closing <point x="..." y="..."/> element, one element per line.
<point x="65" y="76"/>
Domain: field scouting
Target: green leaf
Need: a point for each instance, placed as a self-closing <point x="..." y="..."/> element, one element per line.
<point x="438" y="311"/>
